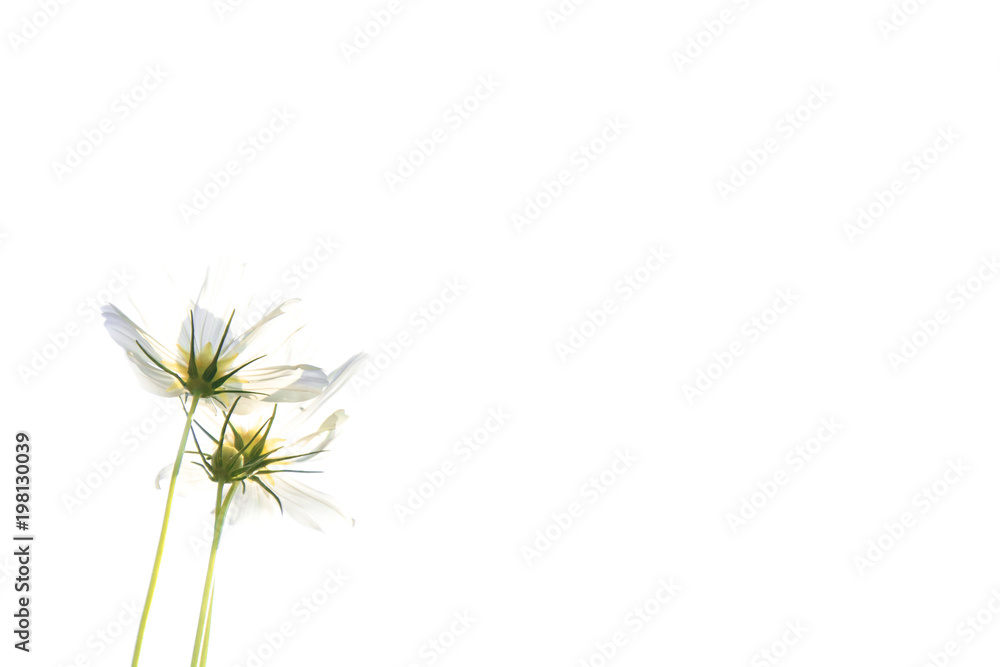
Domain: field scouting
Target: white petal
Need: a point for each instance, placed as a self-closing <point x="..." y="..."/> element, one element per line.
<point x="316" y="410"/>
<point x="333" y="421"/>
<point x="281" y="383"/>
<point x="208" y="328"/>
<point x="307" y="447"/>
<point x="190" y="479"/>
<point x="154" y="380"/>
<point x="163" y="309"/>
<point x="125" y="332"/>
<point x="223" y="292"/>
<point x="267" y="334"/>
<point x="339" y="377"/>
<point x="223" y="287"/>
<point x="251" y="504"/>
<point x="306" y="505"/>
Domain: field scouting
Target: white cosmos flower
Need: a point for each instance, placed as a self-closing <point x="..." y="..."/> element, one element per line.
<point x="186" y="347"/>
<point x="263" y="454"/>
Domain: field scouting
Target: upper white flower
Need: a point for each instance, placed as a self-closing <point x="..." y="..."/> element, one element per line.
<point x="263" y="454"/>
<point x="186" y="347"/>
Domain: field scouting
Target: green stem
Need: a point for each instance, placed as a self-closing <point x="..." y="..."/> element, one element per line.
<point x="163" y="532"/>
<point x="221" y="507"/>
<point x="208" y="629"/>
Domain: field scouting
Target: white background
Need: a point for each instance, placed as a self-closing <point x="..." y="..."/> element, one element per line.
<point x="526" y="288"/>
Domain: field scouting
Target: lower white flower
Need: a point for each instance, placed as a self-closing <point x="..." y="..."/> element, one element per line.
<point x="261" y="454"/>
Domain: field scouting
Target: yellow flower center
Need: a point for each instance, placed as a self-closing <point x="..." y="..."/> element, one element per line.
<point x="201" y="383"/>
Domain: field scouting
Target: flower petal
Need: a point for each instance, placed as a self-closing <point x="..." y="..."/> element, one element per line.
<point x="222" y="292"/>
<point x="153" y="379"/>
<point x="125" y="332"/>
<point x="316" y="410"/>
<point x="306" y="505"/>
<point x="265" y="333"/>
<point x="162" y="308"/>
<point x="281" y="383"/>
<point x="146" y="359"/>
<point x="309" y="446"/>
<point x="190" y="479"/>
<point x="251" y="504"/>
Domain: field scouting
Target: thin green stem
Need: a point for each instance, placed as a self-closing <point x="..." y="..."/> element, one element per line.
<point x="208" y="576"/>
<point x="221" y="507"/>
<point x="208" y="629"/>
<point x="163" y="532"/>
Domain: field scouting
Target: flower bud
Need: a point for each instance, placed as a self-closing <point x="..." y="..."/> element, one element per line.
<point x="225" y="460"/>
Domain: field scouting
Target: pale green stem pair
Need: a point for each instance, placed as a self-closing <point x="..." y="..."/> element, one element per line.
<point x="221" y="508"/>
<point x="200" y="655"/>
